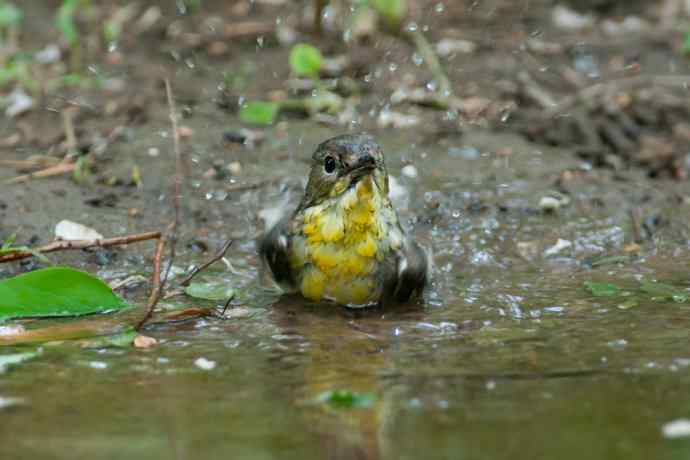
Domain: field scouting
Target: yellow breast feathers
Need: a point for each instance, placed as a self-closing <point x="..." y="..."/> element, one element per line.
<point x="343" y="243"/>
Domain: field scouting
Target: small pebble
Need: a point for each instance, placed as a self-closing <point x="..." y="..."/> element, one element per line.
<point x="185" y="132"/>
<point x="10" y="402"/>
<point x="235" y="168"/>
<point x="549" y="204"/>
<point x="205" y="364"/>
<point x="410" y="171"/>
<point x="449" y="46"/>
<point x="679" y="428"/>
<point x="143" y="341"/>
<point x="558" y="247"/>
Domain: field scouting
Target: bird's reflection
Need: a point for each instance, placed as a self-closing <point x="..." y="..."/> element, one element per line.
<point x="349" y="350"/>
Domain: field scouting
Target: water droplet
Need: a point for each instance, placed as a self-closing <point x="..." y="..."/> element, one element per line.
<point x="439" y="8"/>
<point x="412" y="27"/>
<point x="417" y="59"/>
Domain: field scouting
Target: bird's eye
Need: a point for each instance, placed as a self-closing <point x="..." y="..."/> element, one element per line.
<point x="329" y="165"/>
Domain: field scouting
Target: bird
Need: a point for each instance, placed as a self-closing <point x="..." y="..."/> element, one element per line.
<point x="344" y="243"/>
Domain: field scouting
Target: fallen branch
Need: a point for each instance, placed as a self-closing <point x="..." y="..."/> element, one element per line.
<point x="157" y="284"/>
<point x="219" y="255"/>
<point x="62" y="245"/>
<point x="62" y="168"/>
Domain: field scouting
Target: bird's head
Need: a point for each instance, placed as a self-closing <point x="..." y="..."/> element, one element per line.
<point x="340" y="163"/>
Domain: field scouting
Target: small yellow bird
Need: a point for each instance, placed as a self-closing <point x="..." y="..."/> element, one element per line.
<point x="344" y="242"/>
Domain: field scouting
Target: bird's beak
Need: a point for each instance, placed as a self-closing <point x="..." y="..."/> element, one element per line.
<point x="361" y="166"/>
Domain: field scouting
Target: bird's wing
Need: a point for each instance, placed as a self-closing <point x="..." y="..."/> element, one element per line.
<point x="274" y="251"/>
<point x="411" y="271"/>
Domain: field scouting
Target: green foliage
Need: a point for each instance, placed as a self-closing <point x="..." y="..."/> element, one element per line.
<point x="305" y="60"/>
<point x="686" y="43"/>
<point x="602" y="289"/>
<point x="112" y="31"/>
<point x="210" y="291"/>
<point x="10" y="15"/>
<point x="64" y="21"/>
<point x="345" y="399"/>
<point x="259" y="112"/>
<point x="8" y="247"/>
<point x="58" y="291"/>
<point x="393" y="12"/>
<point x="663" y="291"/>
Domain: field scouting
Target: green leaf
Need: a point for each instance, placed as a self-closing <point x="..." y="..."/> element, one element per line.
<point x="305" y="60"/>
<point x="56" y="291"/>
<point x="664" y="291"/>
<point x="259" y="112"/>
<point x="686" y="43"/>
<point x="602" y="289"/>
<point x="628" y="304"/>
<point x="9" y="241"/>
<point x="10" y="15"/>
<point x="392" y="11"/>
<point x="65" y="21"/>
<point x="210" y="291"/>
<point x="345" y="399"/>
<point x="8" y="248"/>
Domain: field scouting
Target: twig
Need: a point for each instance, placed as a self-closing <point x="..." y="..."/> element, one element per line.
<point x="225" y="307"/>
<point x="63" y="245"/>
<point x="31" y="163"/>
<point x="62" y="168"/>
<point x="177" y="194"/>
<point x="319" y="5"/>
<point x="636" y="226"/>
<point x="70" y="136"/>
<point x="219" y="255"/>
<point x="156" y="284"/>
<point x="248" y="28"/>
<point x="534" y="91"/>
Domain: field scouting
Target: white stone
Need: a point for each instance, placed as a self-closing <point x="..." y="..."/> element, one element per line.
<point x="68" y="230"/>
<point x="679" y="428"/>
<point x="205" y="364"/>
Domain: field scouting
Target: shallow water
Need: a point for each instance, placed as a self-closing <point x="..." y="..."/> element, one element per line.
<point x="508" y="355"/>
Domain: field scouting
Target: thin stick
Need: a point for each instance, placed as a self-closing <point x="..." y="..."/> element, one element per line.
<point x="219" y="255"/>
<point x="177" y="194"/>
<point x="248" y="28"/>
<point x="156" y="284"/>
<point x="70" y="136"/>
<point x="62" y="168"/>
<point x="63" y="245"/>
